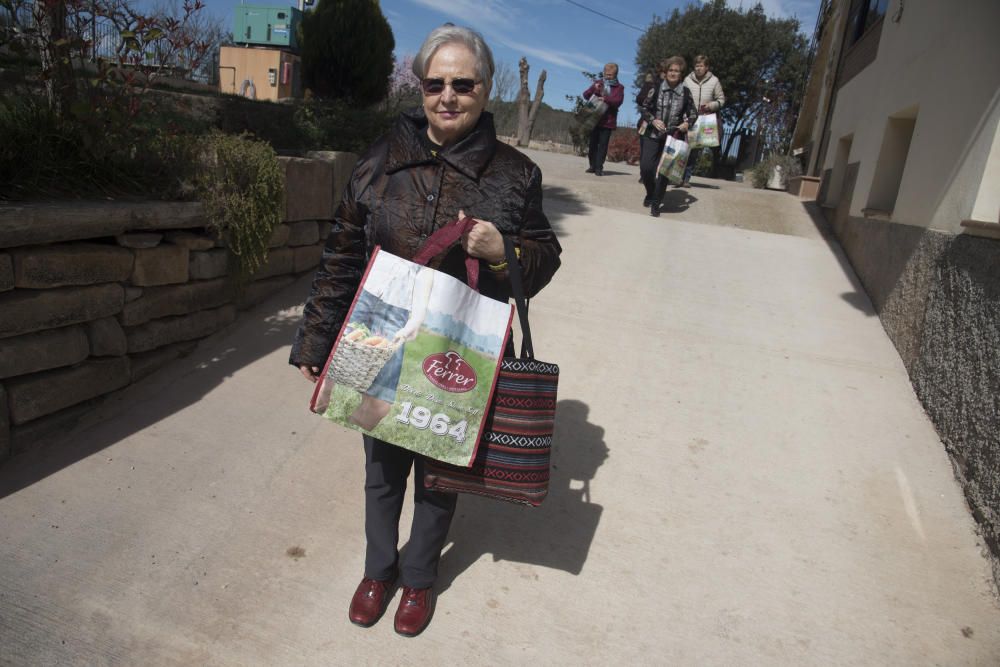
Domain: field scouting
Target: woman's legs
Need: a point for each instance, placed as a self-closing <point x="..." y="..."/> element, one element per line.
<point x="432" y="515"/>
<point x="386" y="470"/>
<point x="651" y="151"/>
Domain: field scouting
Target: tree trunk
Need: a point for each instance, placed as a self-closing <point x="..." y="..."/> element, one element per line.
<point x="522" y="104"/>
<point x="54" y="54"/>
<point x="537" y="102"/>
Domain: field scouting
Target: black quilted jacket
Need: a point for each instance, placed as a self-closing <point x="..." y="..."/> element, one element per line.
<point x="400" y="193"/>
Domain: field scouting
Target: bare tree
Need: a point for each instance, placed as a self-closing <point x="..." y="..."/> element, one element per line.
<point x="503" y="82"/>
<point x="526" y="116"/>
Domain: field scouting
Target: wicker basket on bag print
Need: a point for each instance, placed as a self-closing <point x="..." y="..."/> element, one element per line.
<point x="355" y="365"/>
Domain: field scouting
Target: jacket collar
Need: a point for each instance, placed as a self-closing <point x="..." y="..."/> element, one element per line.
<point x="470" y="155"/>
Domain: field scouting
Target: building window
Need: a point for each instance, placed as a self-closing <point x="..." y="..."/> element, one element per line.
<point x="866" y="14"/>
<point x="891" y="162"/>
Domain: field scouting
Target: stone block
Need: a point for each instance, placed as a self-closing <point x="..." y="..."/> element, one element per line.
<point x="308" y="189"/>
<point x="259" y="290"/>
<point x="303" y="233"/>
<point x="342" y="163"/>
<point x="31" y="224"/>
<point x="62" y="265"/>
<point x="191" y="240"/>
<point x="41" y="394"/>
<point x="132" y="293"/>
<point x="25" y="311"/>
<point x="324" y="230"/>
<point x="307" y="257"/>
<point x="280" y="261"/>
<point x="43" y="350"/>
<point x="169" y="330"/>
<point x="139" y="240"/>
<point x="279" y="236"/>
<point x="4" y="426"/>
<point x="157" y="302"/>
<point x="147" y="363"/>
<point x="106" y="338"/>
<point x="208" y="264"/>
<point x="52" y="427"/>
<point x="163" y="265"/>
<point x="6" y="272"/>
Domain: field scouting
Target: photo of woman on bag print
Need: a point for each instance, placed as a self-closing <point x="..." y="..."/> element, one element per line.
<point x="374" y="340"/>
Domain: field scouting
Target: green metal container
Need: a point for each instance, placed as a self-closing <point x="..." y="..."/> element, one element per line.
<point x="266" y="25"/>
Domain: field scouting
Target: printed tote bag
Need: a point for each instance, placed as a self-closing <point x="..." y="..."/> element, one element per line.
<point x="673" y="160"/>
<point x="705" y="133"/>
<point x="417" y="359"/>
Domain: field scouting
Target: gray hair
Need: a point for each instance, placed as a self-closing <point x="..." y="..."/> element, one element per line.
<point x="453" y="34"/>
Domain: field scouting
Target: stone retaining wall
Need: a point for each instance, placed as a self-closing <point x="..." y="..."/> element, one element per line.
<point x="95" y="296"/>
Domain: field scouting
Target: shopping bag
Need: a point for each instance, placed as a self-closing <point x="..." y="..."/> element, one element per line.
<point x="705" y="133"/>
<point x="590" y="113"/>
<point x="673" y="160"/>
<point x="512" y="461"/>
<point x="417" y="358"/>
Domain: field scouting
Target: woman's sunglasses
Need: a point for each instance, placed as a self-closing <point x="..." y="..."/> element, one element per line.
<point x="460" y="86"/>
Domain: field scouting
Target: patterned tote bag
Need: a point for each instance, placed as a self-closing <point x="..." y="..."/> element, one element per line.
<point x="512" y="460"/>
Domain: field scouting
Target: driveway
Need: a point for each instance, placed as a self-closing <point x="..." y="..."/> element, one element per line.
<point x="742" y="476"/>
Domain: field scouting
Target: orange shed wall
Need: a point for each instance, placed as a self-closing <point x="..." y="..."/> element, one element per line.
<point x="238" y="64"/>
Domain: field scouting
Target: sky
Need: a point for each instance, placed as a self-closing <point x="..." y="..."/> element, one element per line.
<point x="558" y="36"/>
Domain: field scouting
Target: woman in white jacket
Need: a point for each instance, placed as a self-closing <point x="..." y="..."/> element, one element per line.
<point x="706" y="91"/>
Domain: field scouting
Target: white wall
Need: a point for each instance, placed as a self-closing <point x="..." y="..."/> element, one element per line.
<point x="942" y="59"/>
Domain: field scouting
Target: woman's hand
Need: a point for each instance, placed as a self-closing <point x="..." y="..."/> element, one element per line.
<point x="310" y="373"/>
<point x="683" y="127"/>
<point x="659" y="125"/>
<point x="483" y="241"/>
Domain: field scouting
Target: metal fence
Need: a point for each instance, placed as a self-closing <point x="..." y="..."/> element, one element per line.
<point x="101" y="39"/>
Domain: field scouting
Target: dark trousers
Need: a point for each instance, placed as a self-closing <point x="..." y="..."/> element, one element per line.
<point x="386" y="470"/>
<point x="693" y="158"/>
<point x="650" y="151"/>
<point x="599" y="138"/>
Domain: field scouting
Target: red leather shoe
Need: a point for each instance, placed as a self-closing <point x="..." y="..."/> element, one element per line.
<point x="415" y="610"/>
<point x="369" y="601"/>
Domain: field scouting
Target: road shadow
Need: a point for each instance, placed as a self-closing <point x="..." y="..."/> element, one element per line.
<point x="556" y="535"/>
<point x="102" y="422"/>
<point x="704" y="185"/>
<point x="677" y="200"/>
<point x="560" y="203"/>
<point x="859" y="297"/>
<point x="607" y="172"/>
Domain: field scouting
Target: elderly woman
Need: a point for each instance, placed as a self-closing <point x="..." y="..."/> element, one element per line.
<point x="669" y="110"/>
<point x="437" y="163"/>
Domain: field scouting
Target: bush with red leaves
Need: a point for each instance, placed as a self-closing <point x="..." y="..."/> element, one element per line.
<point x="624" y="146"/>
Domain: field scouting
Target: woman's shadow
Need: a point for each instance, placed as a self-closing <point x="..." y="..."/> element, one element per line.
<point x="558" y="534"/>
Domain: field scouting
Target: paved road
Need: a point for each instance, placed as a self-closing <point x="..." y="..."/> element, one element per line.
<point x="743" y="477"/>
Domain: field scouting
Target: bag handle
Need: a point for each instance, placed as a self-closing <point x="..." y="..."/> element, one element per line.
<point x="445" y="238"/>
<point x="448" y="236"/>
<point x="517" y="288"/>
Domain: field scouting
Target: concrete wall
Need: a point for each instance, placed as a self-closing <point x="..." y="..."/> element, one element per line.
<point x="95" y="296"/>
<point x="913" y="162"/>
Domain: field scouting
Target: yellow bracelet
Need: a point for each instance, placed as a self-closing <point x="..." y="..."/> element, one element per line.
<point x="502" y="266"/>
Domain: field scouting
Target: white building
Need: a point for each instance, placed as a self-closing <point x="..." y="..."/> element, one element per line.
<point x="901" y="122"/>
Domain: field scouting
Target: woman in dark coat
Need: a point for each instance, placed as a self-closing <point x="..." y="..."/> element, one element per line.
<point x="670" y="111"/>
<point x="437" y="163"/>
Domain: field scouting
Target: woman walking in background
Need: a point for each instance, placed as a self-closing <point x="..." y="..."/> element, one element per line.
<point x="669" y="111"/>
<point x="706" y="91"/>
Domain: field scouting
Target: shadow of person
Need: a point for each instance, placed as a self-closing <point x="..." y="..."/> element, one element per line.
<point x="558" y="534"/>
<point x="677" y="200"/>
